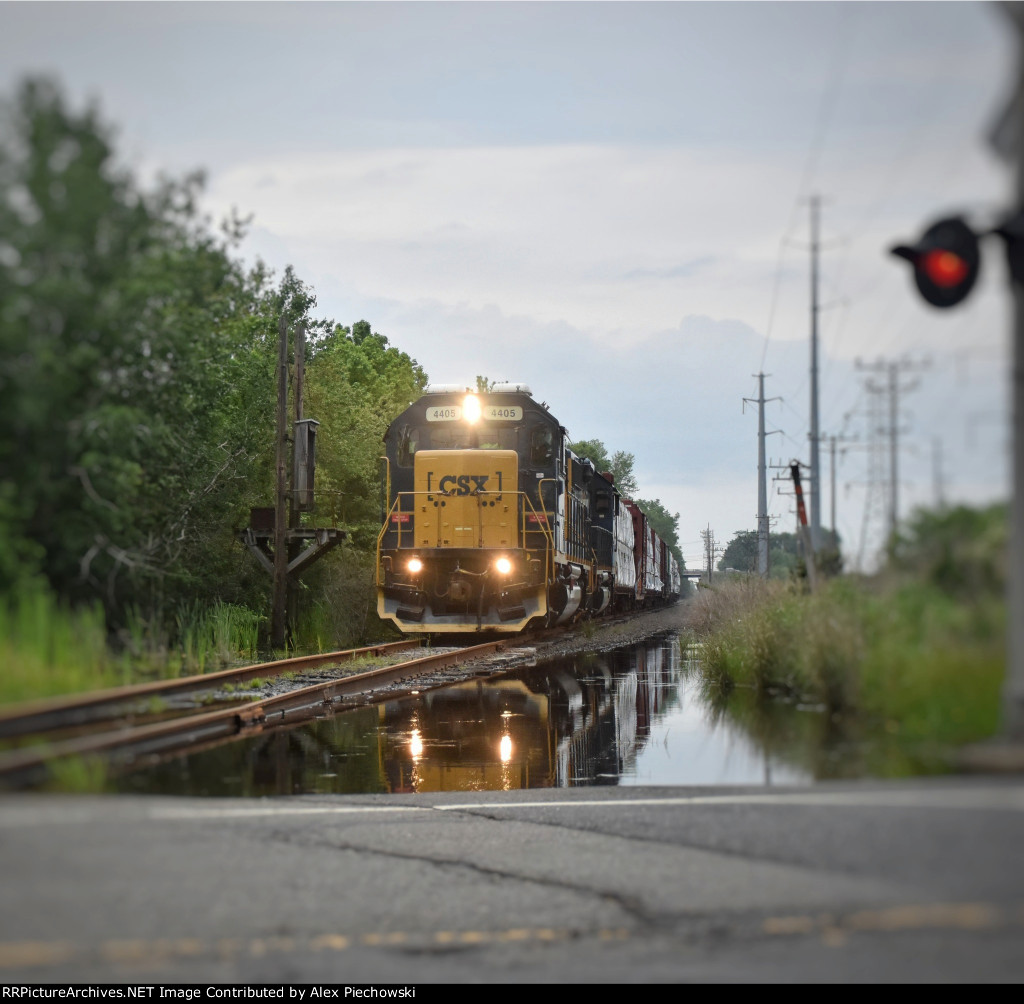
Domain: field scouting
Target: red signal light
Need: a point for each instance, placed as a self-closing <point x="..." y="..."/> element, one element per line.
<point x="945" y="261"/>
<point x="945" y="268"/>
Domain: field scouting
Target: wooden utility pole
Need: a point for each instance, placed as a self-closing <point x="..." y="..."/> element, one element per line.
<point x="279" y="614"/>
<point x="295" y="510"/>
<point x="294" y="506"/>
<point x="276" y="537"/>
<point x="710" y="550"/>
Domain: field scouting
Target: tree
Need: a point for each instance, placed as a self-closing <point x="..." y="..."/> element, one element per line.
<point x="122" y="315"/>
<point x="961" y="550"/>
<point x="356" y="383"/>
<point x="783" y="555"/>
<point x="137" y="379"/>
<point x="620" y="464"/>
<point x="741" y="554"/>
<point x="622" y="468"/>
<point x="593" y="450"/>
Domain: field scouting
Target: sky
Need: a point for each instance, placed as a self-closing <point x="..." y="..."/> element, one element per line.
<point x="609" y="202"/>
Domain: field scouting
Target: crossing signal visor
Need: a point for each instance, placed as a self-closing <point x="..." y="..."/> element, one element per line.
<point x="945" y="260"/>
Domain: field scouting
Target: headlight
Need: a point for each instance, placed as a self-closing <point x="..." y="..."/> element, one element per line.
<point x="503" y="565"/>
<point x="414" y="565"/>
<point x="471" y="409"/>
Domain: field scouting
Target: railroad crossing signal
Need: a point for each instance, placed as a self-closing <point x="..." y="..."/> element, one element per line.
<point x="946" y="261"/>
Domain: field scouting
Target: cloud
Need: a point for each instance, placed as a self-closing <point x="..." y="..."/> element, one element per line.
<point x="586" y="234"/>
<point x="681" y="271"/>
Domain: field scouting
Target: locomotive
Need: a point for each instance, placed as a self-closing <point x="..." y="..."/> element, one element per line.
<point x="490" y="522"/>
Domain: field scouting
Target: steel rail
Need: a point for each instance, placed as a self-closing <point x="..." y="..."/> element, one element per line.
<point x="178" y="733"/>
<point x="68" y="712"/>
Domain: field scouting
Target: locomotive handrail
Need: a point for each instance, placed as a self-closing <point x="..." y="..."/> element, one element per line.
<point x="542" y="524"/>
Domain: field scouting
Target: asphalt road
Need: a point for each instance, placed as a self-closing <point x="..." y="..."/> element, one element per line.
<point x="869" y="882"/>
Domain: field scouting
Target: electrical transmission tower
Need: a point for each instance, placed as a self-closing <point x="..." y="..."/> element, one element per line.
<point x="883" y="442"/>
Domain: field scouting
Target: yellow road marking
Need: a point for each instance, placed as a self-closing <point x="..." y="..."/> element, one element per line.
<point x="910" y="917"/>
<point x="34" y="953"/>
<point x="967" y="916"/>
<point x="337" y="942"/>
<point x="833" y="929"/>
<point x="789" y="925"/>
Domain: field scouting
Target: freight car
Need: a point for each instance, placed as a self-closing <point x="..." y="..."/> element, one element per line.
<point x="490" y="522"/>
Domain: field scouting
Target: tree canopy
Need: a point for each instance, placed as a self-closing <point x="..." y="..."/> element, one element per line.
<point x="741" y="553"/>
<point x="137" y="389"/>
<point x="121" y="313"/>
<point x="620" y="464"/>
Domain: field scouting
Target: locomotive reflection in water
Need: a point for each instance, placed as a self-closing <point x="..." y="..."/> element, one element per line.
<point x="580" y="721"/>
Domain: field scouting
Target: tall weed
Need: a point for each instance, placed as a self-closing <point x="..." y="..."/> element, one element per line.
<point x="49" y="649"/>
<point x="927" y="664"/>
<point x="214" y="637"/>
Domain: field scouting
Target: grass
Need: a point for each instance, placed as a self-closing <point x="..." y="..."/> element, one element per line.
<point x="49" y="649"/>
<point x="82" y="775"/>
<point x="927" y="665"/>
<point x="216" y="636"/>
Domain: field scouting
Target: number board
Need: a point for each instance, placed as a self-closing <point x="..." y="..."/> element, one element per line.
<point x="502" y="413"/>
<point x="444" y="413"/>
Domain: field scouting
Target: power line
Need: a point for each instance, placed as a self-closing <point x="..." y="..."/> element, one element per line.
<point x="826" y="107"/>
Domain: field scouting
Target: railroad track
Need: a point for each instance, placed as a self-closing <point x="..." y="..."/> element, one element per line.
<point x="122" y="742"/>
<point x="62" y="713"/>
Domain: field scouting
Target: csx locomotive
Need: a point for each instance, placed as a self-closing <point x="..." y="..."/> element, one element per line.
<point x="491" y="522"/>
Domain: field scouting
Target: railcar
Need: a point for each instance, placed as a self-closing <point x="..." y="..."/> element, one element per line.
<point x="491" y="523"/>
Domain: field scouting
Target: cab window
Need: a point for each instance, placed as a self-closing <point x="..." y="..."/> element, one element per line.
<point x="453" y="436"/>
<point x="496" y="438"/>
<point x="542" y="445"/>
<point x="408" y="444"/>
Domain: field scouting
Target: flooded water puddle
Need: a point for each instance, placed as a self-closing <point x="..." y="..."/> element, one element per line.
<point x="630" y="716"/>
<point x="634" y="716"/>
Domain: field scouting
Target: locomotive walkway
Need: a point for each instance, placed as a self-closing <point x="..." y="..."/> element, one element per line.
<point x="916" y="881"/>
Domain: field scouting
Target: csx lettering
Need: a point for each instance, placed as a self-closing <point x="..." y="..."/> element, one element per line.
<point x="452" y="485"/>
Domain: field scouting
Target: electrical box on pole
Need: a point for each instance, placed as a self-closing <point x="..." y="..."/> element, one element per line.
<point x="304" y="465"/>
